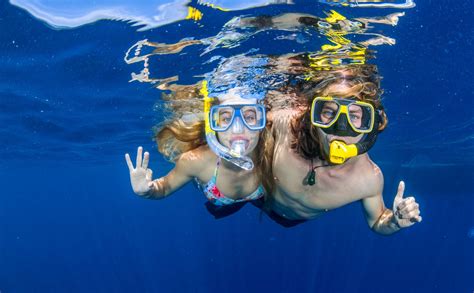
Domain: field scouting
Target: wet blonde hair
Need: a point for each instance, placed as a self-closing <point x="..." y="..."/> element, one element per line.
<point x="183" y="127"/>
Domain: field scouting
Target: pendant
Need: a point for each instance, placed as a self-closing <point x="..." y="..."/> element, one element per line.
<point x="312" y="178"/>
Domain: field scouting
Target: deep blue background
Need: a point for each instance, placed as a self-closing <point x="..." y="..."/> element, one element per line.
<point x="69" y="221"/>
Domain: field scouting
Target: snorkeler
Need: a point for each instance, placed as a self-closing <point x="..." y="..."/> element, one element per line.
<point x="320" y="159"/>
<point x="232" y="131"/>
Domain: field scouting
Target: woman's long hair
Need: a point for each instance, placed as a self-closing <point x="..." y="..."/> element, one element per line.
<point x="183" y="127"/>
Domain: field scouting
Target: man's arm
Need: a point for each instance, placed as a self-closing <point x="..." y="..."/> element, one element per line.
<point x="380" y="219"/>
<point x="405" y="212"/>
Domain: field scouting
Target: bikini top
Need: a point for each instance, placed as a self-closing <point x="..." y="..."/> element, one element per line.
<point x="217" y="198"/>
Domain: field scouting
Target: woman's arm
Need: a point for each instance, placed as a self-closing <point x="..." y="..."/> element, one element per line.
<point x="184" y="170"/>
<point x="187" y="166"/>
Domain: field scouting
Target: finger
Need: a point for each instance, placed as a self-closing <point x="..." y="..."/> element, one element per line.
<point x="416" y="219"/>
<point x="149" y="174"/>
<point x="408" y="214"/>
<point x="406" y="202"/>
<point x="412" y="215"/>
<point x="129" y="162"/>
<point x="146" y="159"/>
<point x="139" y="157"/>
<point x="410" y="208"/>
<point x="401" y="190"/>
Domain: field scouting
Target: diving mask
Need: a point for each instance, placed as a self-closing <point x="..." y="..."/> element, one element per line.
<point x="223" y="116"/>
<point x="345" y="117"/>
<point x="342" y="117"/>
<point x="236" y="153"/>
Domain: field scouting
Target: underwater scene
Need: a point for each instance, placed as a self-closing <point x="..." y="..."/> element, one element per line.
<point x="236" y="146"/>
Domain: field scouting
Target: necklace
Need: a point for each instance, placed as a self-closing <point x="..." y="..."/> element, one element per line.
<point x="312" y="174"/>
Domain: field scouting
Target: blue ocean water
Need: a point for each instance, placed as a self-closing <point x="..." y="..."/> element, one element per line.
<point x="69" y="221"/>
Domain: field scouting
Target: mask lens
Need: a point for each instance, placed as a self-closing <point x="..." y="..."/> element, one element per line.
<point x="221" y="117"/>
<point x="360" y="116"/>
<point x="253" y="116"/>
<point x="324" y="112"/>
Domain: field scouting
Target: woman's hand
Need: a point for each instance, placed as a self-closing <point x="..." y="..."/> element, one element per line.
<point x="141" y="176"/>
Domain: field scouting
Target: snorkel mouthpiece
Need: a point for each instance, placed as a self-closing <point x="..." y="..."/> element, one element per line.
<point x="239" y="146"/>
<point x="339" y="152"/>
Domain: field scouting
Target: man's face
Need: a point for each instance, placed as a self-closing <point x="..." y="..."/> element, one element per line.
<point x="342" y="90"/>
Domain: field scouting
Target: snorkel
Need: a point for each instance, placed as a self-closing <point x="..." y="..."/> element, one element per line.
<point x="233" y="155"/>
<point x="340" y="152"/>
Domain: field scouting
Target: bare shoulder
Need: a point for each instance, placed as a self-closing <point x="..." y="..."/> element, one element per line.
<point x="372" y="176"/>
<point x="193" y="162"/>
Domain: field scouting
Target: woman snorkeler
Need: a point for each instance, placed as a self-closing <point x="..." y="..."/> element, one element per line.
<point x="233" y="129"/>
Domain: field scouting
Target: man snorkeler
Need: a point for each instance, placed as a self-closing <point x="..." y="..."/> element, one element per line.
<point x="320" y="159"/>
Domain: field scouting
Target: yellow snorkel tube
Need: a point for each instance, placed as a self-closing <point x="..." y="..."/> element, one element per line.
<point x="224" y="152"/>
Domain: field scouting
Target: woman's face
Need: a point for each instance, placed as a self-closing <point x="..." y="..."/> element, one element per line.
<point x="238" y="136"/>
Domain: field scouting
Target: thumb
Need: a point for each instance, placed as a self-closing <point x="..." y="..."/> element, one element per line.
<point x="151" y="185"/>
<point x="400" y="191"/>
<point x="149" y="174"/>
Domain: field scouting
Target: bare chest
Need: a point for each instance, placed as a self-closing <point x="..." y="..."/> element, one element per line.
<point x="334" y="186"/>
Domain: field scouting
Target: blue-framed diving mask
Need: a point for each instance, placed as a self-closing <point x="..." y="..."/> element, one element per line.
<point x="252" y="116"/>
<point x="236" y="116"/>
<point x="345" y="117"/>
<point x="244" y="76"/>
